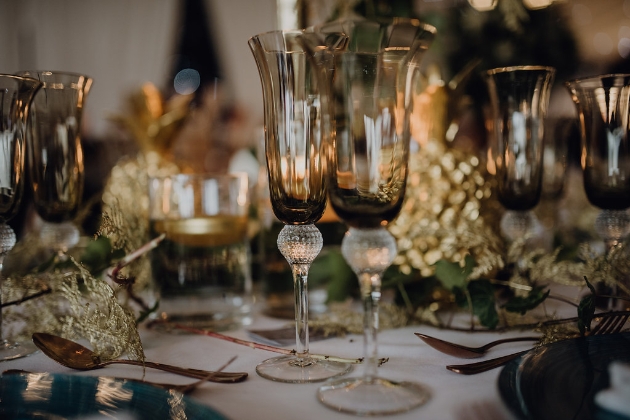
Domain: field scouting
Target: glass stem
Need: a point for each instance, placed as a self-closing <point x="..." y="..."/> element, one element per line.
<point x="300" y="286"/>
<point x="1" y="281"/>
<point x="300" y="244"/>
<point x="612" y="226"/>
<point x="371" y="292"/>
<point x="7" y="241"/>
<point x="369" y="252"/>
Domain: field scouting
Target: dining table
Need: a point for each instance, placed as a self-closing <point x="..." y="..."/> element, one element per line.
<point x="453" y="396"/>
<point x="559" y="369"/>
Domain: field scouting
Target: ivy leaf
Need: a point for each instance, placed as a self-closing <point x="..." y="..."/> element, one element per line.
<point x="98" y="255"/>
<point x="590" y="286"/>
<point x="460" y="297"/>
<point x="331" y="270"/>
<point x="145" y="313"/>
<point x="586" y="312"/>
<point x="451" y="274"/>
<point x="521" y="305"/>
<point x="484" y="302"/>
<point x="586" y="309"/>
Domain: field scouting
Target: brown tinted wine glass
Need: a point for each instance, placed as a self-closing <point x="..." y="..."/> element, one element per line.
<point x="373" y="86"/>
<point x="603" y="106"/>
<point x="292" y="68"/>
<point x="55" y="154"/>
<point x="16" y="94"/>
<point x="520" y="98"/>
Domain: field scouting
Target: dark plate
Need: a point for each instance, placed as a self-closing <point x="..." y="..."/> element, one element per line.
<point x="56" y="396"/>
<point x="559" y="381"/>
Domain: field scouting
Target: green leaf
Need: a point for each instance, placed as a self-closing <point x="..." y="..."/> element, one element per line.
<point x="484" y="302"/>
<point x="586" y="309"/>
<point x="98" y="255"/>
<point x="412" y="290"/>
<point x="460" y="297"/>
<point x="145" y="314"/>
<point x="521" y="305"/>
<point x="330" y="269"/>
<point x="590" y="286"/>
<point x="586" y="312"/>
<point x="451" y="274"/>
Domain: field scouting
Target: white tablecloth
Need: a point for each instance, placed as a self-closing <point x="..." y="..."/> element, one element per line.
<point x="454" y="396"/>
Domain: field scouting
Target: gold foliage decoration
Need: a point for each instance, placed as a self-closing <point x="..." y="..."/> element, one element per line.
<point x="77" y="305"/>
<point x="153" y="124"/>
<point x="449" y="212"/>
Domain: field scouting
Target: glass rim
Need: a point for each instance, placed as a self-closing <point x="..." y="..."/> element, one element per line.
<point x="596" y="79"/>
<point x="500" y="70"/>
<point x="201" y="175"/>
<point x="52" y="72"/>
<point x="311" y="29"/>
<point x="277" y="32"/>
<point x="388" y="21"/>
<point x="42" y="77"/>
<point x="34" y="83"/>
<point x="18" y="77"/>
<point x="415" y="22"/>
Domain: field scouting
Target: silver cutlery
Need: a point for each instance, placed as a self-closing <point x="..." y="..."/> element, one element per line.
<point x="609" y="325"/>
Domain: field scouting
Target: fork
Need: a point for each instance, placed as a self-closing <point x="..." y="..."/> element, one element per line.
<point x="609" y="325"/>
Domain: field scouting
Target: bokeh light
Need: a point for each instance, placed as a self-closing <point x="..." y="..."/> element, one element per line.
<point x="537" y="4"/>
<point x="603" y="43"/>
<point x="483" y="5"/>
<point x="581" y="14"/>
<point x="623" y="47"/>
<point x="186" y="81"/>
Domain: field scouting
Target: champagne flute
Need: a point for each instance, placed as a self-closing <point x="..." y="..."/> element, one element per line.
<point x="292" y="67"/>
<point x="520" y="98"/>
<point x="16" y="94"/>
<point x="55" y="154"/>
<point x="375" y="83"/>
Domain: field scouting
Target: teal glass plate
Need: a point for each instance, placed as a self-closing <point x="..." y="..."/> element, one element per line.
<point x="559" y="381"/>
<point x="56" y="396"/>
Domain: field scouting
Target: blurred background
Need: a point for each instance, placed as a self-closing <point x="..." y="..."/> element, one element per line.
<point x="199" y="48"/>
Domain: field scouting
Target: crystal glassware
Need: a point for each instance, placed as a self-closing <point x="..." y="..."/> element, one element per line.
<point x="603" y="106"/>
<point x="203" y="266"/>
<point x="293" y="67"/>
<point x="16" y="94"/>
<point x="520" y="98"/>
<point x="376" y="85"/>
<point x="55" y="154"/>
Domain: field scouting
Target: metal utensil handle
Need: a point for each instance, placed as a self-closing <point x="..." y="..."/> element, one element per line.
<point x="223" y="377"/>
<point x="474" y="368"/>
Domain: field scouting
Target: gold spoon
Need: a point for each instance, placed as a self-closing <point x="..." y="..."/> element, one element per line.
<point x="466" y="352"/>
<point x="75" y="356"/>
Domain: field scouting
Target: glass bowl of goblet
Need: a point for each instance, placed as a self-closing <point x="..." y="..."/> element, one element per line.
<point x="16" y="94"/>
<point x="55" y="154"/>
<point x="520" y="97"/>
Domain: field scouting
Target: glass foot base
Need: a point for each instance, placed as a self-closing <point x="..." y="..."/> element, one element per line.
<point x="372" y="398"/>
<point x="287" y="369"/>
<point x="10" y="350"/>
